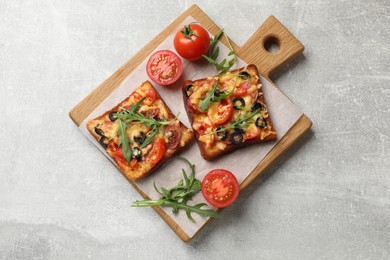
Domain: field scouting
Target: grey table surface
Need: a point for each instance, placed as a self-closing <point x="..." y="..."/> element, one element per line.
<point x="328" y="197"/>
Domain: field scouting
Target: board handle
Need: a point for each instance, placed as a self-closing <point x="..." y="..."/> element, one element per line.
<point x="271" y="32"/>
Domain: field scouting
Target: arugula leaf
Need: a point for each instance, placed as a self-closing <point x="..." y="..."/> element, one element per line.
<point x="124" y="141"/>
<point x="242" y="121"/>
<point x="178" y="196"/>
<point x="223" y="95"/>
<point x="211" y="97"/>
<point x="204" y="105"/>
<point x="133" y="116"/>
<point x="151" y="136"/>
<point x="213" y="54"/>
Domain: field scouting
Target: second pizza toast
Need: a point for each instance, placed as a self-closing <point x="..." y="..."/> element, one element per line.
<point x="228" y="111"/>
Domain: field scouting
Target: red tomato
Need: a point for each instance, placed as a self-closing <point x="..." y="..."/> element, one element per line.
<point x="164" y="67"/>
<point x="241" y="90"/>
<point x="201" y="127"/>
<point x="205" y="132"/>
<point x="136" y="97"/>
<point x="118" y="153"/>
<point x="220" y="188"/>
<point x="133" y="162"/>
<point x="158" y="150"/>
<point x="151" y="95"/>
<point x="220" y="112"/>
<point x="192" y="42"/>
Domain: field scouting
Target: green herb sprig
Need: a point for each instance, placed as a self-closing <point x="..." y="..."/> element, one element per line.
<point x="205" y="103"/>
<point x="213" y="54"/>
<point x="124" y="141"/>
<point x="212" y="97"/>
<point x="178" y="196"/>
<point x="133" y="116"/>
<point x="243" y="121"/>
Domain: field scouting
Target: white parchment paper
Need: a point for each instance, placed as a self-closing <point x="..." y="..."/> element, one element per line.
<point x="282" y="111"/>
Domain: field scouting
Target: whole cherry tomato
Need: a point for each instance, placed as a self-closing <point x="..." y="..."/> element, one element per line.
<point x="192" y="42"/>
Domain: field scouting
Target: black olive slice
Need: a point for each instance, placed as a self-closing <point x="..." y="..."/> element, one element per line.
<point x="99" y="131"/>
<point x="239" y="130"/>
<point x="137" y="153"/>
<point x="187" y="90"/>
<point x="256" y="106"/>
<point x="218" y="93"/>
<point x="103" y="141"/>
<point x="261" y="122"/>
<point x="112" y="117"/>
<point x="244" y="75"/>
<point x="220" y="134"/>
<point x="236" y="138"/>
<point x="140" y="139"/>
<point x="238" y="103"/>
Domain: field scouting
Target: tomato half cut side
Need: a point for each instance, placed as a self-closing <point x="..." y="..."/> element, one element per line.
<point x="164" y="67"/>
<point x="220" y="188"/>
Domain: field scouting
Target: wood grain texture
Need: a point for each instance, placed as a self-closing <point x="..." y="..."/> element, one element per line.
<point x="253" y="51"/>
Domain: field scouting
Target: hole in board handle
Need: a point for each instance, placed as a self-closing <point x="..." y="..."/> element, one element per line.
<point x="272" y="44"/>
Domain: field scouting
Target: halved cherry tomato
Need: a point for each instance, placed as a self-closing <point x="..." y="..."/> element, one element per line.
<point x="158" y="150"/>
<point x="192" y="42"/>
<point x="241" y="90"/>
<point x="220" y="112"/>
<point x="220" y="188"/>
<point x="164" y="67"/>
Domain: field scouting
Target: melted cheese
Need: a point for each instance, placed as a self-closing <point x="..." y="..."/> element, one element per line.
<point x="227" y="82"/>
<point x="199" y="93"/>
<point x="108" y="128"/>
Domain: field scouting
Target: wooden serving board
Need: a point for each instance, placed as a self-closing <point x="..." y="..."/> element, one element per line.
<point x="253" y="51"/>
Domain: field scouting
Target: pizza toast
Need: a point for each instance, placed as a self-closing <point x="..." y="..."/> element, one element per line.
<point x="140" y="133"/>
<point x="228" y="111"/>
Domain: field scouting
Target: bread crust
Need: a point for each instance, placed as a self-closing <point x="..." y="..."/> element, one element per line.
<point x="142" y="168"/>
<point x="210" y="153"/>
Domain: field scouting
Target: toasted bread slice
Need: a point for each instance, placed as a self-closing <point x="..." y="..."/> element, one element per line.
<point x="236" y="115"/>
<point x="145" y="157"/>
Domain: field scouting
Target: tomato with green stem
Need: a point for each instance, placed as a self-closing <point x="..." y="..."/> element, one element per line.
<point x="192" y="41"/>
